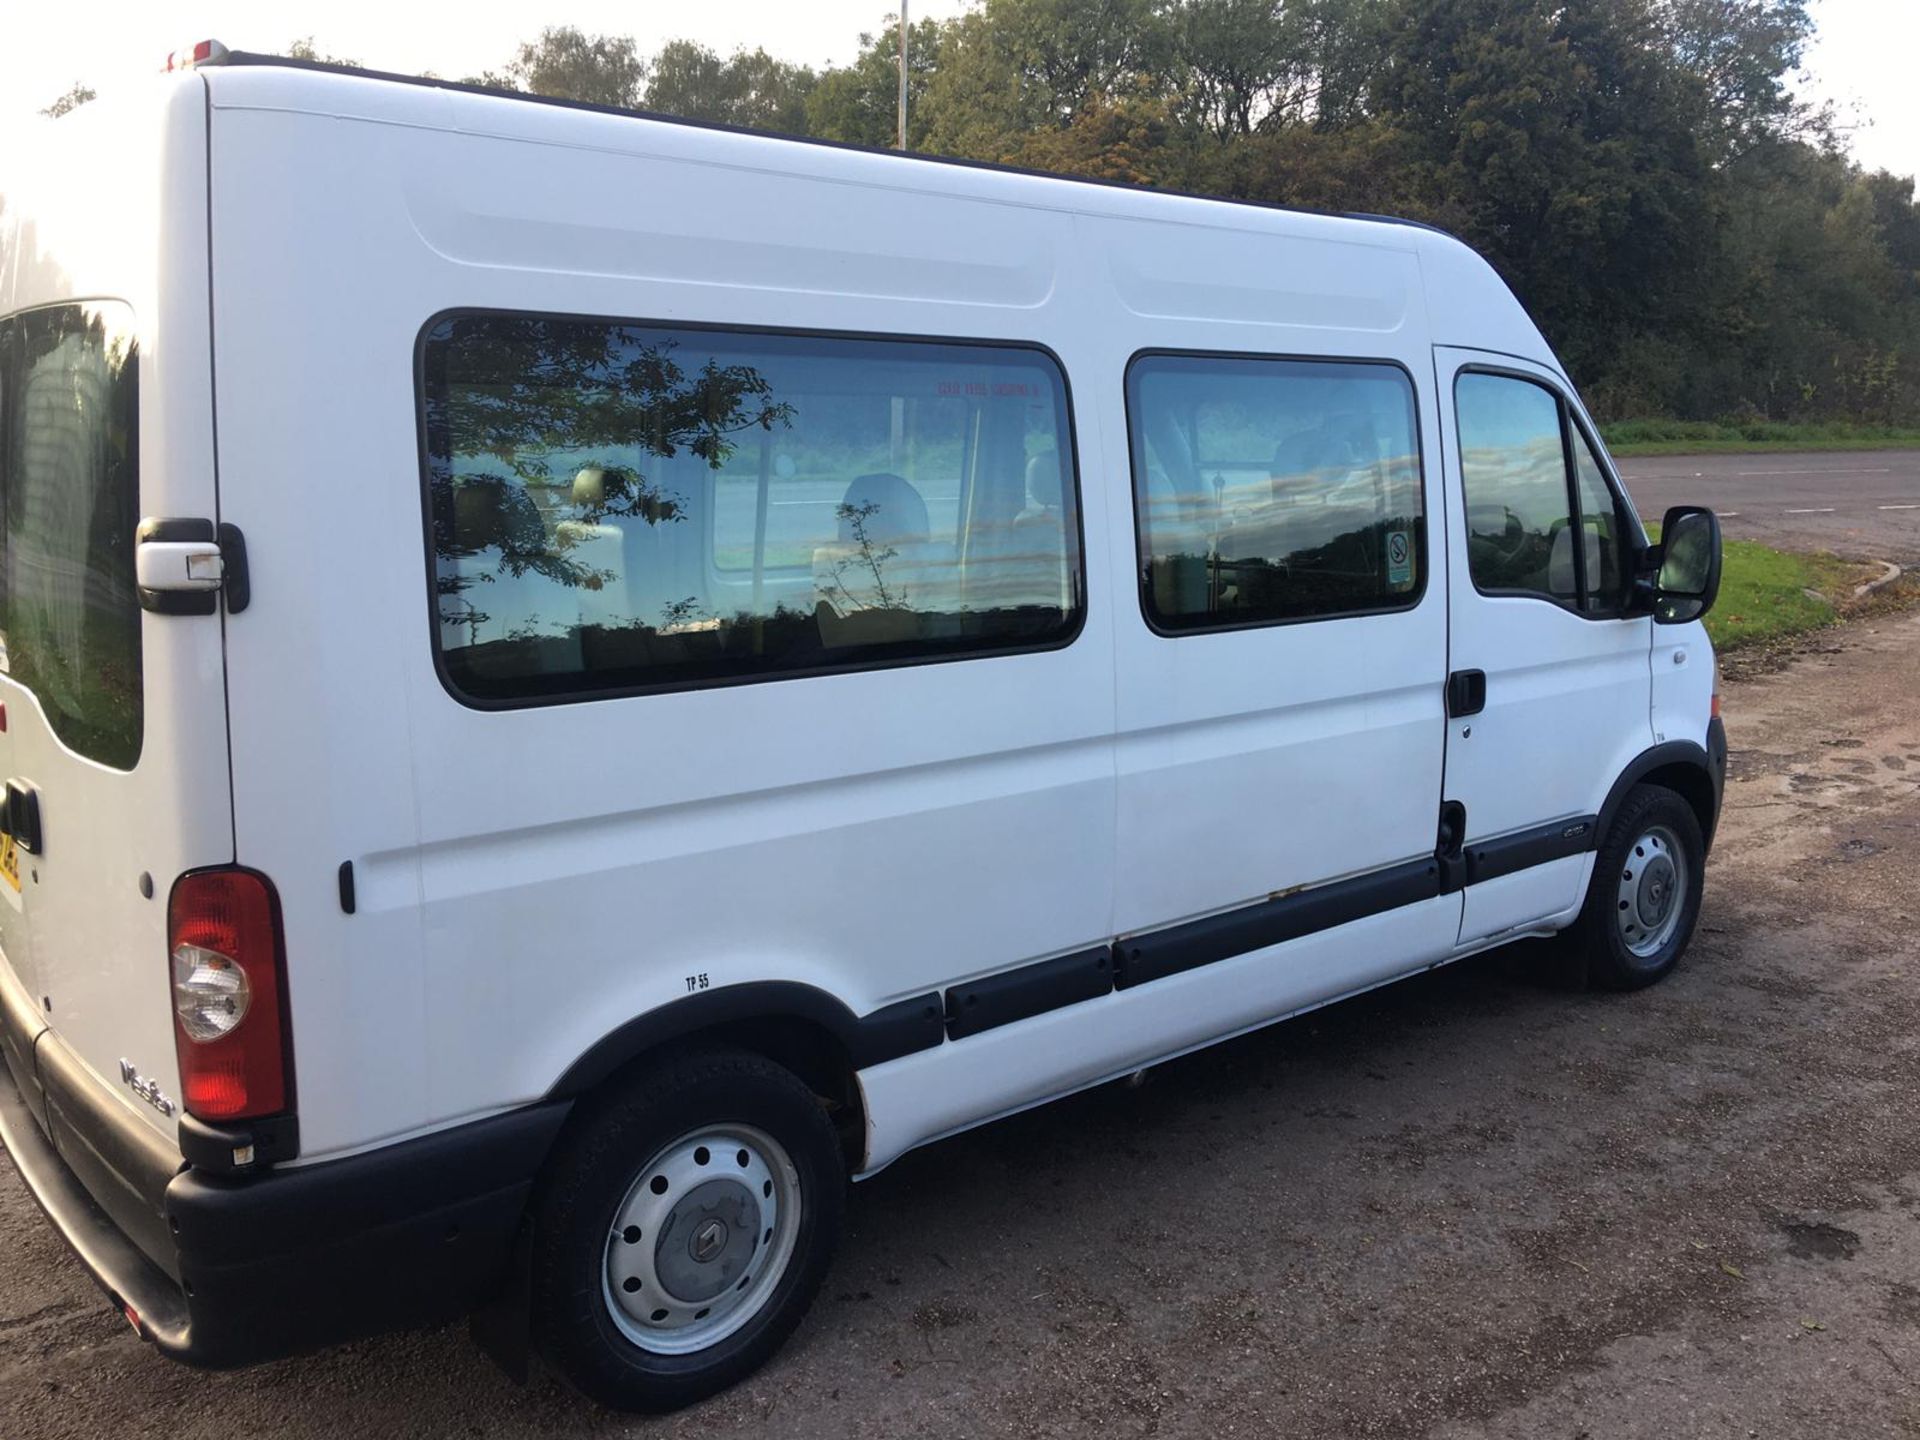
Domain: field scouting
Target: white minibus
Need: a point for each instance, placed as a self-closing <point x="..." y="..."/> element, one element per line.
<point x="572" y="680"/>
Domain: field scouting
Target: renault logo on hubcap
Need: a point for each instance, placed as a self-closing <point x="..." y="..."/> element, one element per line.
<point x="708" y="1241"/>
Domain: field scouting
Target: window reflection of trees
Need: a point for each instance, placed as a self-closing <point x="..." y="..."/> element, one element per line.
<point x="513" y="403"/>
<point x="70" y="628"/>
<point x="516" y="390"/>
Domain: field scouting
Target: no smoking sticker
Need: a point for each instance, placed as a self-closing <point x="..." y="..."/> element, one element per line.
<point x="1399" y="558"/>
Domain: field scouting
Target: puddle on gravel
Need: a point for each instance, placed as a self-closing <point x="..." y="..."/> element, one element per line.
<point x="1817" y="1240"/>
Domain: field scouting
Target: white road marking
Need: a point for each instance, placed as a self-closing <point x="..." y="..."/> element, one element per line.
<point x="1701" y="474"/>
<point x="1883" y="470"/>
<point x="1822" y="510"/>
<point x="1900" y="507"/>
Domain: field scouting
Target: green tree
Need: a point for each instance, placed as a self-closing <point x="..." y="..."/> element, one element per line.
<point x="1642" y="172"/>
<point x="1129" y="140"/>
<point x="1564" y="142"/>
<point x="304" y="49"/>
<point x="1744" y="51"/>
<point x="1236" y="62"/>
<point x="570" y="65"/>
<point x="748" y="88"/>
<point x="77" y="95"/>
<point x="1013" y="66"/>
<point x="1238" y="66"/>
<point x="859" y="103"/>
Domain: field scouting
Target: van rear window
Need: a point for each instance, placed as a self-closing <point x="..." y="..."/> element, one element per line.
<point x="616" y="507"/>
<point x="69" y="507"/>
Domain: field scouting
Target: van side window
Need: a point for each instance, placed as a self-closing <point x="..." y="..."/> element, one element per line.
<point x="622" y="506"/>
<point x="1274" y="490"/>
<point x="69" y="507"/>
<point x="1601" y="527"/>
<point x="1532" y="484"/>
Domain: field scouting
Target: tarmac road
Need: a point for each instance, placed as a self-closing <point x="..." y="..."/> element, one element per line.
<point x="1460" y="1207"/>
<point x="1864" y="504"/>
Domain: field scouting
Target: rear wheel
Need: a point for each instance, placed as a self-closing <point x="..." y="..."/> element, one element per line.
<point x="1644" y="898"/>
<point x="688" y="1219"/>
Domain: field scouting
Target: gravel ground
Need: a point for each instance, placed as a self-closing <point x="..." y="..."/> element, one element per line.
<point x="1462" y="1207"/>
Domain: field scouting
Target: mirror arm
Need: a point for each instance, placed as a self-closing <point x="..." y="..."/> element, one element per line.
<point x="1641" y="596"/>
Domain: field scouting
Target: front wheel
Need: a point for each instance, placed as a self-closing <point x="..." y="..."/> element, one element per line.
<point x="1644" y="898"/>
<point x="687" y="1221"/>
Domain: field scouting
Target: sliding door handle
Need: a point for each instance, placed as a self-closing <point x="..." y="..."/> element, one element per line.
<point x="1466" y="693"/>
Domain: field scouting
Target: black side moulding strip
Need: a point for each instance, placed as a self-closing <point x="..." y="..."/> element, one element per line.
<point x="1490" y="859"/>
<point x="1031" y="990"/>
<point x="1154" y="956"/>
<point x="917" y="1023"/>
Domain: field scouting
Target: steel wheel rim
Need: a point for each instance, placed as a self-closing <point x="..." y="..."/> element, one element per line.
<point x="1653" y="892"/>
<point x="701" y="1239"/>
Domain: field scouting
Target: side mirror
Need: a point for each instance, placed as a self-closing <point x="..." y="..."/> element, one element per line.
<point x="1688" y="577"/>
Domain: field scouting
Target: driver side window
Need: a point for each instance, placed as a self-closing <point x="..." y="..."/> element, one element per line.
<point x="1541" y="518"/>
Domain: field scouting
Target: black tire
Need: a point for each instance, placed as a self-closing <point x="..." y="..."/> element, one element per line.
<point x="1596" y="941"/>
<point x="603" y="1155"/>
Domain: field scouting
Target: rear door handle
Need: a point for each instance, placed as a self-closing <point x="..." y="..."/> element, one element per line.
<point x="1466" y="693"/>
<point x="21" y="816"/>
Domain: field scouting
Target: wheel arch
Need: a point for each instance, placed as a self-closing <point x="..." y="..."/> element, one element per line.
<point x="1677" y="765"/>
<point x="809" y="1031"/>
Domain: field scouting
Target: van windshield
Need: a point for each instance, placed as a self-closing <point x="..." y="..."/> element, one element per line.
<point x="69" y="506"/>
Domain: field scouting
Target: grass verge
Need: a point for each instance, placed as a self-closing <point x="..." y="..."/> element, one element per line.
<point x="1704" y="437"/>
<point x="1767" y="595"/>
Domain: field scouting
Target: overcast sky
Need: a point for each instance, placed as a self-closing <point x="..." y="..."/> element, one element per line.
<point x="1863" y="59"/>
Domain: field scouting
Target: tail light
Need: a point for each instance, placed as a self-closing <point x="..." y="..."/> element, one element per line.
<point x="204" y="52"/>
<point x="1715" y="707"/>
<point x="230" y="1024"/>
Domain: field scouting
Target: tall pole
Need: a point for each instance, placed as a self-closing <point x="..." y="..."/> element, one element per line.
<point x="903" y="74"/>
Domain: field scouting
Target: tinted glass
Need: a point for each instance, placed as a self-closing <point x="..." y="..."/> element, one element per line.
<point x="1515" y="474"/>
<point x="618" y="506"/>
<point x="69" y="494"/>
<point x="1601" y="525"/>
<point x="1272" y="490"/>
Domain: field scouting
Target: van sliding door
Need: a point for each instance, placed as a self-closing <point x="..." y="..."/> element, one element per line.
<point x="1280" y="679"/>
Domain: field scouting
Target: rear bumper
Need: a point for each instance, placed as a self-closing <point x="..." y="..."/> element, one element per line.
<point x="290" y="1260"/>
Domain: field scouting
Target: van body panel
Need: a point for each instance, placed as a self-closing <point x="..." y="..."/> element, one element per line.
<point x="1468" y="305"/>
<point x="842" y="786"/>
<point x="115" y="206"/>
<point x="316" y="388"/>
<point x="1685" y="679"/>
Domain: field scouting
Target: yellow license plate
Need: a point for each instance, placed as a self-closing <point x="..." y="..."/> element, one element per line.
<point x="9" y="861"/>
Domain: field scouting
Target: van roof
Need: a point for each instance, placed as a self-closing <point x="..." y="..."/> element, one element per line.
<point x="255" y="59"/>
<point x="1467" y="302"/>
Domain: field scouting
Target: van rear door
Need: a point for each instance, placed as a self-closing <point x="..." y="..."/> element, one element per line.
<point x="115" y="717"/>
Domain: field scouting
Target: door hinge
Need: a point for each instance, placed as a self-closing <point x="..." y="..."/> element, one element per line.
<point x="183" y="567"/>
